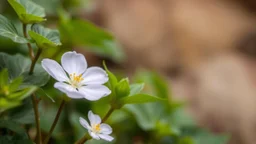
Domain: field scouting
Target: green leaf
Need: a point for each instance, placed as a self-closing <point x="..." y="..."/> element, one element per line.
<point x="93" y="38"/>
<point x="147" y="115"/>
<point x="3" y="78"/>
<point x="112" y="78"/>
<point x="206" y="137"/>
<point x="44" y="37"/>
<point x="5" y="104"/>
<point x="23" y="114"/>
<point x="140" y="98"/>
<point x="13" y="126"/>
<point x="136" y="88"/>
<point x="14" y="85"/>
<point x="19" y="65"/>
<point x="22" y="94"/>
<point x="28" y="11"/>
<point x="122" y="88"/>
<point x="8" y="29"/>
<point x="14" y="140"/>
<point x="156" y="82"/>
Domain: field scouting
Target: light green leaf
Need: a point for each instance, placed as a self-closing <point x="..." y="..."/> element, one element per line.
<point x="15" y="83"/>
<point x="44" y="37"/>
<point x="93" y="38"/>
<point x="22" y="94"/>
<point x="5" y="104"/>
<point x="7" y="29"/>
<point x="19" y="65"/>
<point x="28" y="11"/>
<point x="140" y="98"/>
<point x="3" y="78"/>
<point x="112" y="78"/>
<point x="136" y="88"/>
<point x="122" y="88"/>
<point x="147" y="115"/>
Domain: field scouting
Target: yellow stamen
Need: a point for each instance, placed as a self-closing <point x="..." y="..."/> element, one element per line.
<point x="96" y="127"/>
<point x="76" y="78"/>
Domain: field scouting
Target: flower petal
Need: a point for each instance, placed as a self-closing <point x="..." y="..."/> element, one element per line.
<point x="94" y="92"/>
<point x="68" y="90"/>
<point x="94" y="135"/>
<point x="105" y="129"/>
<point x="73" y="62"/>
<point x="95" y="75"/>
<point x="93" y="118"/>
<point x="54" y="69"/>
<point x="106" y="137"/>
<point x="84" y="123"/>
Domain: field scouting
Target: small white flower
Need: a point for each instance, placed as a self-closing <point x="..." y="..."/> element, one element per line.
<point x="96" y="129"/>
<point x="81" y="82"/>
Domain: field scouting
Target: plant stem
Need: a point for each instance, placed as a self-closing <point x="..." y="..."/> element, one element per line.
<point x="85" y="137"/>
<point x="32" y="66"/>
<point x="37" y="118"/>
<point x="54" y="122"/>
<point x="31" y="52"/>
<point x="110" y="111"/>
<point x="82" y="140"/>
<point x="34" y="99"/>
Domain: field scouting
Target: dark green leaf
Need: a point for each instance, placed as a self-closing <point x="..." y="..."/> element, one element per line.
<point x="28" y="11"/>
<point x="14" y="140"/>
<point x="44" y="37"/>
<point x="7" y="29"/>
<point x="140" y="98"/>
<point x="84" y="33"/>
<point x="23" y="114"/>
<point x="19" y="65"/>
<point x="13" y="126"/>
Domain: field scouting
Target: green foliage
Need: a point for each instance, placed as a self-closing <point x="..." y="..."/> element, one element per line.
<point x="140" y="98"/>
<point x="84" y="33"/>
<point x="122" y="90"/>
<point x="19" y="65"/>
<point x="28" y="11"/>
<point x="8" y="29"/>
<point x="10" y="93"/>
<point x="144" y="110"/>
<point x="20" y="136"/>
<point x="44" y="37"/>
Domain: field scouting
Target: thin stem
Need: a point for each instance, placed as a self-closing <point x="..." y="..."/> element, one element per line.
<point x="82" y="140"/>
<point x="85" y="137"/>
<point x="32" y="66"/>
<point x="31" y="52"/>
<point x="34" y="99"/>
<point x="37" y="118"/>
<point x="110" y="111"/>
<point x="54" y="122"/>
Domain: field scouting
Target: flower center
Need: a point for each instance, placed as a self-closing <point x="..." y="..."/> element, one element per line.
<point x="75" y="79"/>
<point x="96" y="127"/>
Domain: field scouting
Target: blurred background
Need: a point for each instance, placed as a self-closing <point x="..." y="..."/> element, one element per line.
<point x="204" y="49"/>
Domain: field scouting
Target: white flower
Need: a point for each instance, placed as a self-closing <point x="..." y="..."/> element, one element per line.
<point x="96" y="129"/>
<point x="81" y="82"/>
